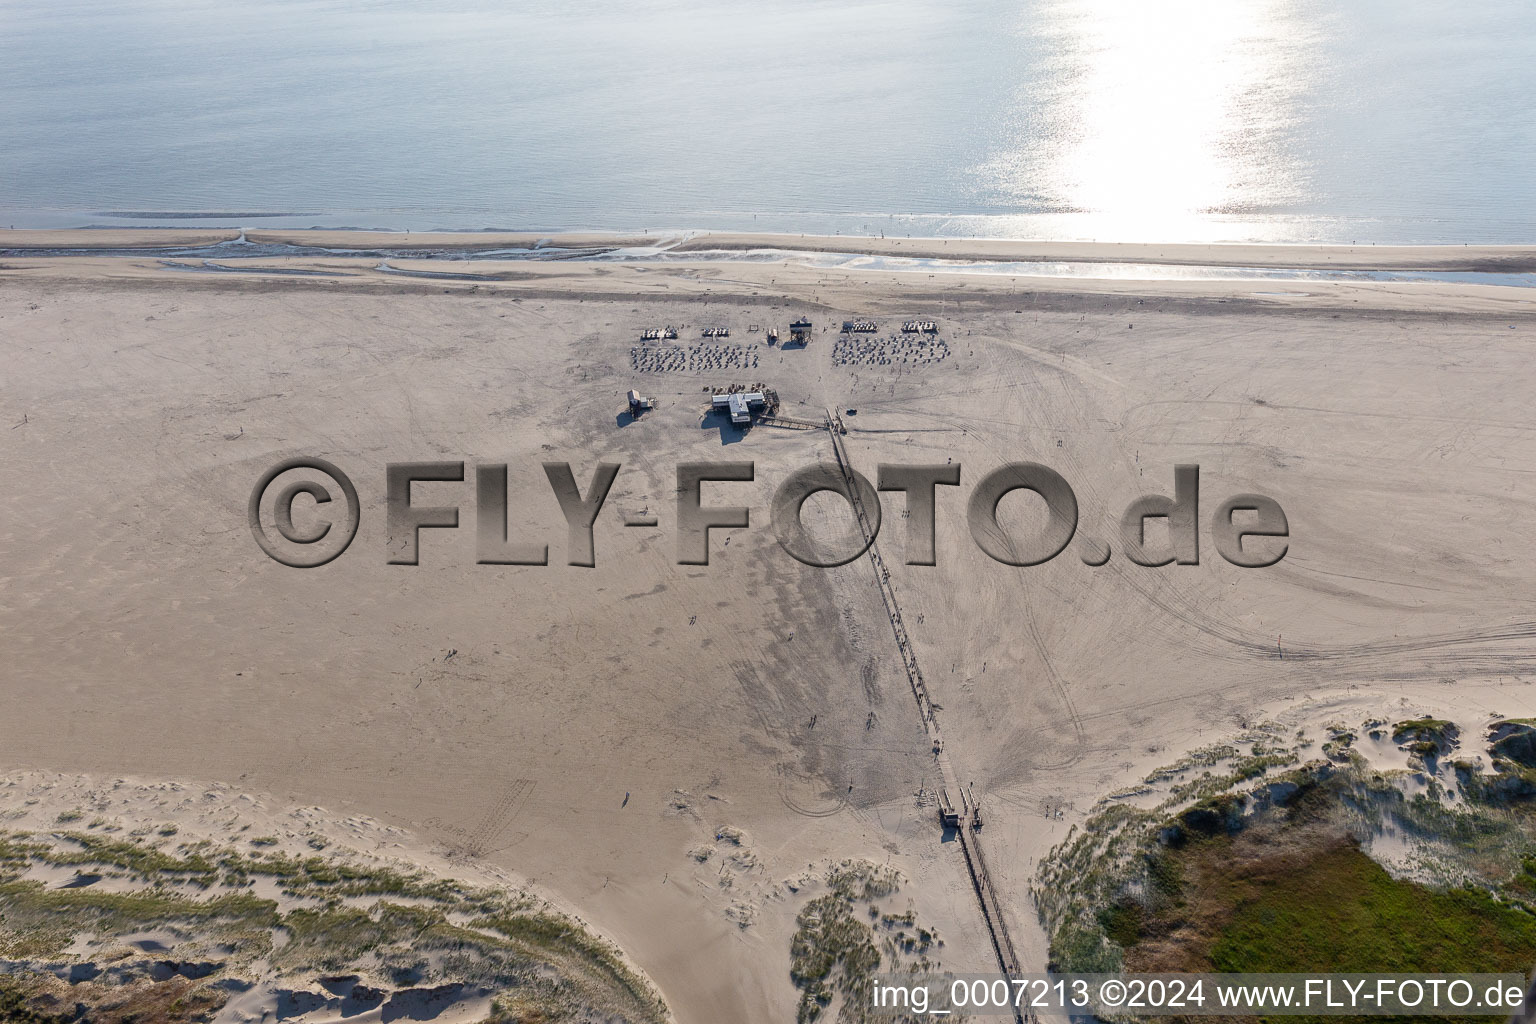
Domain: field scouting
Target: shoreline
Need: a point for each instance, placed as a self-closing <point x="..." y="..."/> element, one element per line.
<point x="1447" y="258"/>
<point x="1502" y="258"/>
<point x="843" y="291"/>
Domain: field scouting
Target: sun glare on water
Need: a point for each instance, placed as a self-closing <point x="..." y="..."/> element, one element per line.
<point x="1175" y="112"/>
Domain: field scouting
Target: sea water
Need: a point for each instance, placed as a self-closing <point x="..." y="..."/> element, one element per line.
<point x="1115" y="120"/>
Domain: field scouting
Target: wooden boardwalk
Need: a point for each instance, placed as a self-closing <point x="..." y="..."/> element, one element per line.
<point x="970" y="838"/>
<point x="789" y="423"/>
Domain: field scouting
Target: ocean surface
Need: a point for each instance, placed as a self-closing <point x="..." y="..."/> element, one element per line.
<point x="1116" y="120"/>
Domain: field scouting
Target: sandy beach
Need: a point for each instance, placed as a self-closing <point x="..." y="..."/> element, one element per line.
<point x="588" y="730"/>
<point x="693" y="269"/>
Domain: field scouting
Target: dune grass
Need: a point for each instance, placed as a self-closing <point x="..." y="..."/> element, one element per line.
<point x="1345" y="913"/>
<point x="335" y="916"/>
<point x="1226" y="876"/>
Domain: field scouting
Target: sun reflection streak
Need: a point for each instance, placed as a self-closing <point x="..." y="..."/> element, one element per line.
<point x="1175" y="107"/>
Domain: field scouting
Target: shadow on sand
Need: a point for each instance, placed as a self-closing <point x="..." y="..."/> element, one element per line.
<point x="730" y="433"/>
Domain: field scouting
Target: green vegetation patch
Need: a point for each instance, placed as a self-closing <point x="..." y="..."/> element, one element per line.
<point x="843" y="938"/>
<point x="46" y="1000"/>
<point x="1426" y="737"/>
<point x="1513" y="742"/>
<point x="1232" y="876"/>
<point x="335" y="917"/>
<point x="1343" y="912"/>
<point x="831" y="949"/>
<point x="36" y="922"/>
<point x="22" y="1003"/>
<point x="579" y="953"/>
